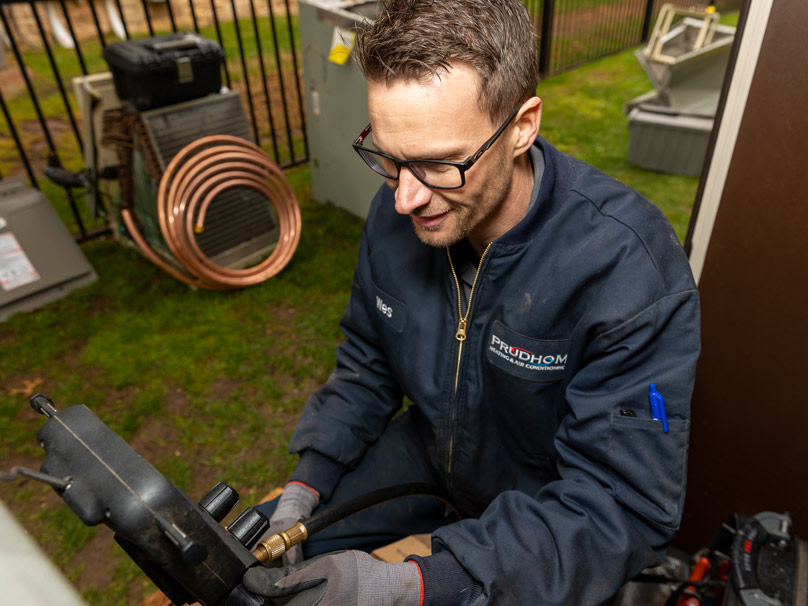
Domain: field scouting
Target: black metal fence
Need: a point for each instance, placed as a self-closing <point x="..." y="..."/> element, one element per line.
<point x="573" y="32"/>
<point x="44" y="44"/>
<point x="48" y="43"/>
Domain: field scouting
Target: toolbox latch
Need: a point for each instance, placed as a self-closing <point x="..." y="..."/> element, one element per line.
<point x="185" y="70"/>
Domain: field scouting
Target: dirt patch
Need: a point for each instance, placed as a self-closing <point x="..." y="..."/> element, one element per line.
<point x="277" y="94"/>
<point x="293" y="388"/>
<point x="282" y="320"/>
<point x="36" y="146"/>
<point x="159" y="440"/>
<point x="176" y="402"/>
<point x="98" y="565"/>
<point x="285" y="420"/>
<point x="223" y="387"/>
<point x="204" y="478"/>
<point x="155" y="440"/>
<point x="13" y="80"/>
<point x="55" y="127"/>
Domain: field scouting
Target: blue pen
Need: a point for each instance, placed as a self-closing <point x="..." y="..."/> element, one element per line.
<point x="657" y="406"/>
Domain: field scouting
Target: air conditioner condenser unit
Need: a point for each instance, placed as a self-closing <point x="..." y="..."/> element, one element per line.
<point x="242" y="226"/>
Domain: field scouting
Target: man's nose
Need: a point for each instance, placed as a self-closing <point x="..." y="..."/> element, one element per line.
<point x="410" y="193"/>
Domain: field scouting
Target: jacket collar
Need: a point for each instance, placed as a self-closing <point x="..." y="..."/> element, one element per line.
<point x="555" y="185"/>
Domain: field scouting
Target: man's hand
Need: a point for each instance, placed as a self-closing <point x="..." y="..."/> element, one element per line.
<point x="296" y="502"/>
<point x="339" y="579"/>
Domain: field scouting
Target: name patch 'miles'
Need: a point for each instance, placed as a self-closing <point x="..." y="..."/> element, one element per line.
<point x="526" y="357"/>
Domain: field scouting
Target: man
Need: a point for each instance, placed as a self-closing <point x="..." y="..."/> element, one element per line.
<point x="527" y="305"/>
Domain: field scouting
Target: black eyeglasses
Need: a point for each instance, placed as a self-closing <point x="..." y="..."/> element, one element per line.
<point x="437" y="174"/>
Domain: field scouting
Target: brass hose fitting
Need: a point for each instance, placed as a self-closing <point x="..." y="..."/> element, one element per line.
<point x="276" y="545"/>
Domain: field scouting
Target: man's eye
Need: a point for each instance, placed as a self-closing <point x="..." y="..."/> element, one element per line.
<point x="432" y="168"/>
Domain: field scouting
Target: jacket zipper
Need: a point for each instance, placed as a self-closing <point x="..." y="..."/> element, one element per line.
<point x="460" y="335"/>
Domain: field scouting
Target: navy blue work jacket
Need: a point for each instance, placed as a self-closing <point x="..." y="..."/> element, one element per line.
<point x="576" y="311"/>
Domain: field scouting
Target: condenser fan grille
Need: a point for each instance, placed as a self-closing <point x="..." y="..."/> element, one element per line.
<point x="236" y="217"/>
<point x="240" y="226"/>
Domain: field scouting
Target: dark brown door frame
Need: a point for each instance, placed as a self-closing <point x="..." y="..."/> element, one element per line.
<point x="748" y="246"/>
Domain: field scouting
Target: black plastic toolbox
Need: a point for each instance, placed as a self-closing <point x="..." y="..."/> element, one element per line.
<point x="163" y="70"/>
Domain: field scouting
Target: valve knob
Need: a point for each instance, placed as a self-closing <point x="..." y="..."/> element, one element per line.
<point x="250" y="525"/>
<point x="219" y="501"/>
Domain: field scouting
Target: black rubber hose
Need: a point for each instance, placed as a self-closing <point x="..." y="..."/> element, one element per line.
<point x="325" y="518"/>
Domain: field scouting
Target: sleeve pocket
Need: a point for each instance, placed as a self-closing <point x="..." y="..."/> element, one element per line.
<point x="649" y="466"/>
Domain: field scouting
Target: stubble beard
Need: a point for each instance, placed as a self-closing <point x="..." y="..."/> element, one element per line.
<point x="463" y="219"/>
<point x="444" y="235"/>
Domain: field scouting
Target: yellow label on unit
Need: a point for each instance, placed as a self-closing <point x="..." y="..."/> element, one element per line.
<point x="342" y="43"/>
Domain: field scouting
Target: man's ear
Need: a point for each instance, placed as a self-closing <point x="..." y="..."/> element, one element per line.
<point x="527" y="122"/>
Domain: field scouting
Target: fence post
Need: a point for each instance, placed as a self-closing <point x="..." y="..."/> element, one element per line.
<point x="547" y="13"/>
<point x="646" y="24"/>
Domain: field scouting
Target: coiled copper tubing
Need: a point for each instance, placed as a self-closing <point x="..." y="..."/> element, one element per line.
<point x="191" y="182"/>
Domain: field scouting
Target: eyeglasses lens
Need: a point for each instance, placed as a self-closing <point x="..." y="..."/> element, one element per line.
<point x="380" y="164"/>
<point x="432" y="174"/>
<point x="436" y="174"/>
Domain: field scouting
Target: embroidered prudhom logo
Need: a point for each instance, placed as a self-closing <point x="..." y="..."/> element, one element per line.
<point x="526" y="357"/>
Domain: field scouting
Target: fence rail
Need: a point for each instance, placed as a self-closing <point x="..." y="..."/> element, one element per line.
<point x="46" y="43"/>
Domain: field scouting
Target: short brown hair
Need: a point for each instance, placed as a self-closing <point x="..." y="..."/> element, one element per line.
<point x="418" y="39"/>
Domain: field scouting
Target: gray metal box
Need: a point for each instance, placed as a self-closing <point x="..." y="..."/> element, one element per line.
<point x="336" y="106"/>
<point x="668" y="142"/>
<point x="39" y="259"/>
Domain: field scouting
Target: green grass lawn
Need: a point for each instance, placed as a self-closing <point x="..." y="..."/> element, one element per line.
<point x="208" y="385"/>
<point x="583" y="116"/>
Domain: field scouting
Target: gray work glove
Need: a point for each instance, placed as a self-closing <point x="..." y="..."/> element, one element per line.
<point x="339" y="579"/>
<point x="296" y="502"/>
